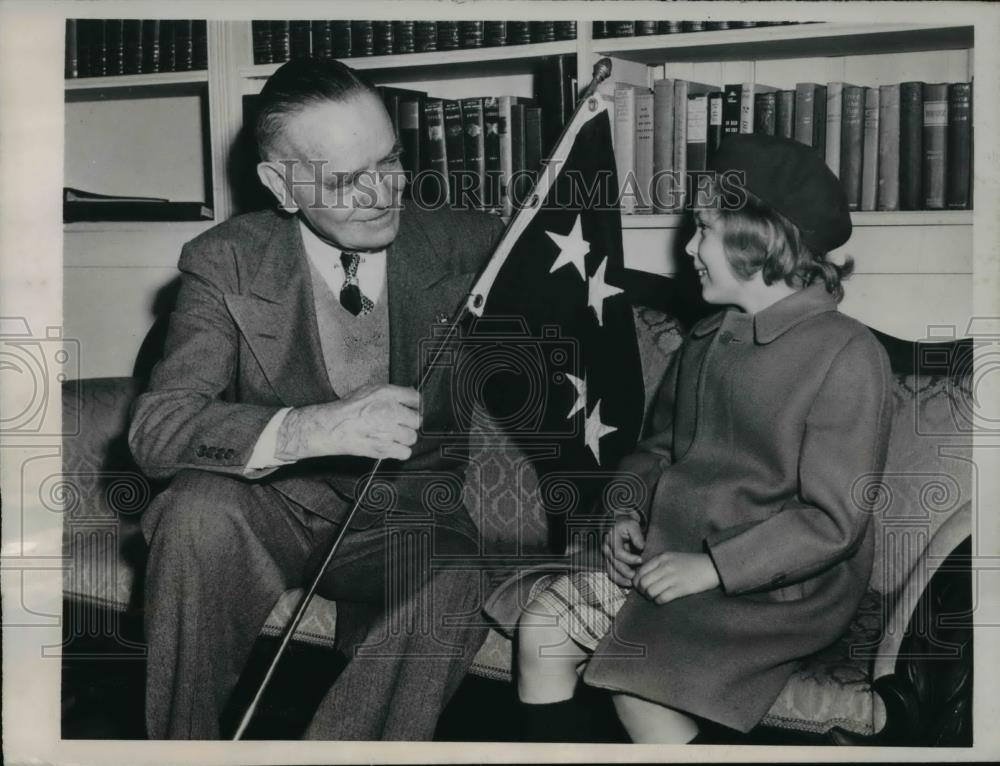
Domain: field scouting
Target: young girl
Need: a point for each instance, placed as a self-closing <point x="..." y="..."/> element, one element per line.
<point x="752" y="548"/>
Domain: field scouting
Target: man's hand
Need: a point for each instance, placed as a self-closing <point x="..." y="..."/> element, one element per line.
<point x="372" y="421"/>
<point x="671" y="575"/>
<point x="622" y="545"/>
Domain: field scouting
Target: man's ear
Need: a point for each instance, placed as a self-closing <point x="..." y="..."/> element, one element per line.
<point x="272" y="175"/>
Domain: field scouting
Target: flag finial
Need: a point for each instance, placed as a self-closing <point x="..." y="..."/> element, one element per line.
<point x="602" y="71"/>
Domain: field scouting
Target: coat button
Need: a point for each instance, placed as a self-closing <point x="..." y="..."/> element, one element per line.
<point x="229" y="454"/>
<point x="200" y="452"/>
<point x="725" y="336"/>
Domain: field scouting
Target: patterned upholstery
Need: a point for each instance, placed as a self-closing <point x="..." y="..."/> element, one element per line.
<point x="922" y="512"/>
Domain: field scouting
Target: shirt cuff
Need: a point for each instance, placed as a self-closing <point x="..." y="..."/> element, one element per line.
<point x="262" y="460"/>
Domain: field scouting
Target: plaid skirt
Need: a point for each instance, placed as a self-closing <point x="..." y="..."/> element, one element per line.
<point x="584" y="603"/>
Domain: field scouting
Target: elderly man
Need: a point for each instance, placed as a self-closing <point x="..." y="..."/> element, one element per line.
<point x="289" y="364"/>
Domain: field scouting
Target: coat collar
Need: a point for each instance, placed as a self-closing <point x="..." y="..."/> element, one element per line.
<point x="777" y="319"/>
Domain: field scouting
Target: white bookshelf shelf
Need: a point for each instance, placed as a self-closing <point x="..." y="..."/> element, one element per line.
<point x="126" y="81"/>
<point x="823" y="38"/>
<point x="470" y="61"/>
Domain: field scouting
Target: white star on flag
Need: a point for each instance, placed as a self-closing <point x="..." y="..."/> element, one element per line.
<point x="598" y="291"/>
<point x="572" y="249"/>
<point x="596" y="430"/>
<point x="581" y="395"/>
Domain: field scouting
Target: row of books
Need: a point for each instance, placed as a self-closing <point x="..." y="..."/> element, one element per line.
<point x="108" y="47"/>
<point x="905" y="146"/>
<point x="279" y="41"/>
<point x="605" y="29"/>
<point x="481" y="152"/>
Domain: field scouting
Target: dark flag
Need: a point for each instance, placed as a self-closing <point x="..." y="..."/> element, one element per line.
<point x="562" y="375"/>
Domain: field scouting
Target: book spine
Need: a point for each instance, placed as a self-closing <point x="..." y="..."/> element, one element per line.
<point x="183" y="45"/>
<point x="715" y="122"/>
<point x="911" y="145"/>
<point x="732" y="95"/>
<point x="341" y="32"/>
<point x="834" y="115"/>
<point x="383" y="33"/>
<point x="322" y="39"/>
<point x="764" y="113"/>
<point x="959" y="170"/>
<point x="624" y="144"/>
<point x="746" y="107"/>
<point x="851" y="140"/>
<point x="433" y="187"/>
<point x="471" y="34"/>
<point x="518" y="33"/>
<point x="475" y="158"/>
<point x="132" y="34"/>
<point x="697" y="132"/>
<point x="819" y="120"/>
<point x="403" y="40"/>
<point x="644" y="150"/>
<point x="98" y="49"/>
<point x="504" y="128"/>
<point x="494" y="33"/>
<point x="681" y="90"/>
<point x="869" y="165"/>
<point x="199" y="44"/>
<point x="281" y="42"/>
<point x="410" y="112"/>
<point x="888" y="139"/>
<point x="519" y="173"/>
<point x="72" y="67"/>
<point x="550" y="95"/>
<point x="425" y="36"/>
<point x="362" y="38"/>
<point x="491" y="153"/>
<point x="785" y="117"/>
<point x="805" y="99"/>
<point x="448" y="38"/>
<point x="935" y="144"/>
<point x="533" y="140"/>
<point x="565" y="30"/>
<point x="114" y="35"/>
<point x="263" y="50"/>
<point x="300" y="39"/>
<point x="542" y="31"/>
<point x="150" y="45"/>
<point x="168" y="46"/>
<point x="454" y="137"/>
<point x="663" y="143"/>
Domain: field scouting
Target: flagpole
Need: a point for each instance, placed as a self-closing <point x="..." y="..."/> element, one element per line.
<point x="602" y="70"/>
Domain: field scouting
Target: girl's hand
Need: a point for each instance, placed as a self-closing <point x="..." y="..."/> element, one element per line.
<point x="671" y="575"/>
<point x="622" y="545"/>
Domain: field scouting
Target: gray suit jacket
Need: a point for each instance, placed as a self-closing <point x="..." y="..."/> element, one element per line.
<point x="243" y="342"/>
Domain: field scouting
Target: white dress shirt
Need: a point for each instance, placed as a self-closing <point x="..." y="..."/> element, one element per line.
<point x="325" y="258"/>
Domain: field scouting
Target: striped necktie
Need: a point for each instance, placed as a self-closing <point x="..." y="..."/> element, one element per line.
<point x="350" y="294"/>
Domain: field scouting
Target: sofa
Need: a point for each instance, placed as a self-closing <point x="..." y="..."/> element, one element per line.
<point x="901" y="674"/>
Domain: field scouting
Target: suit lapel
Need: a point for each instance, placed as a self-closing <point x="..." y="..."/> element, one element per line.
<point x="422" y="289"/>
<point x="278" y="319"/>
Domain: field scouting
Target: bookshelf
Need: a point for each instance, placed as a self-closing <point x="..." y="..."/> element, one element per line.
<point x="900" y="269"/>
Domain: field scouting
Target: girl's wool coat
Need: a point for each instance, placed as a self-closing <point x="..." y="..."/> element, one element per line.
<point x="770" y="436"/>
